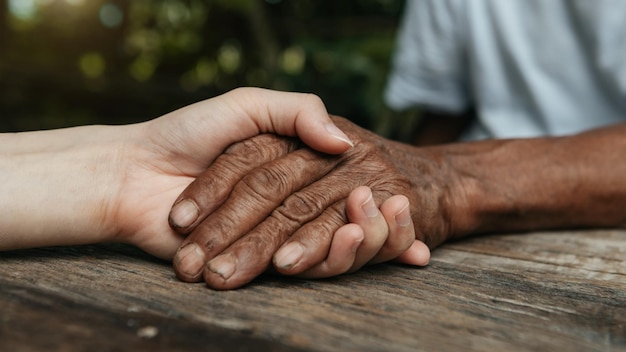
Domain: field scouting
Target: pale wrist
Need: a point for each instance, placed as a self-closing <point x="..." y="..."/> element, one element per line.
<point x="57" y="186"/>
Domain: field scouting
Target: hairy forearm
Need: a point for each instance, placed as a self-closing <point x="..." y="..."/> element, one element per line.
<point x="54" y="186"/>
<point x="545" y="183"/>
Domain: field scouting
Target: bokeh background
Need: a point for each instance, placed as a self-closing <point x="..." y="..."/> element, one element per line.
<point x="73" y="62"/>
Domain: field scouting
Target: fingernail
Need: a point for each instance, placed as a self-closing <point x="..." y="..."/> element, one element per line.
<point x="289" y="255"/>
<point x="190" y="259"/>
<point x="369" y="207"/>
<point x="184" y="213"/>
<point x="338" y="134"/>
<point x="223" y="265"/>
<point x="403" y="218"/>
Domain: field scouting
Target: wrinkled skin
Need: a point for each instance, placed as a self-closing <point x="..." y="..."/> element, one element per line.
<point x="288" y="192"/>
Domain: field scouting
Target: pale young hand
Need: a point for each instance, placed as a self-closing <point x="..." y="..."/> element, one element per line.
<point x="163" y="156"/>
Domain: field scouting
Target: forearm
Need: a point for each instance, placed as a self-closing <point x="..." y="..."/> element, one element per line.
<point x="545" y="183"/>
<point x="54" y="187"/>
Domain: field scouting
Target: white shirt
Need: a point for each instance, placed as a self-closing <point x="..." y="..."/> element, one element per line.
<point x="528" y="67"/>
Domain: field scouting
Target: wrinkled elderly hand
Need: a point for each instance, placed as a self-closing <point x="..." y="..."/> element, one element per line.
<point x="454" y="190"/>
<point x="293" y="198"/>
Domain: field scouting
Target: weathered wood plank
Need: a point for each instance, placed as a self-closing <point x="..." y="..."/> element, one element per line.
<point x="46" y="322"/>
<point x="536" y="292"/>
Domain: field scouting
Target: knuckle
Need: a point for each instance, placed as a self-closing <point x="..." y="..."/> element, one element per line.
<point x="301" y="207"/>
<point x="335" y="217"/>
<point x="266" y="183"/>
<point x="241" y="90"/>
<point x="276" y="180"/>
<point x="222" y="231"/>
<point x="391" y="185"/>
<point x="262" y="147"/>
<point x="314" y="100"/>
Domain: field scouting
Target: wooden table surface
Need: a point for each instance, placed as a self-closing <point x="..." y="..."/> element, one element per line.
<point x="562" y="291"/>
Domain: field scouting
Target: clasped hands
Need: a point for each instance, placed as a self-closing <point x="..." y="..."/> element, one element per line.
<point x="298" y="211"/>
<point x="324" y="199"/>
<point x="271" y="202"/>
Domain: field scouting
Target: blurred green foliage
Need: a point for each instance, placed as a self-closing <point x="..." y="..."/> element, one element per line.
<point x="72" y="62"/>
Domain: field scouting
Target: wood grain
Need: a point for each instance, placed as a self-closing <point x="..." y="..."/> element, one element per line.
<point x="524" y="292"/>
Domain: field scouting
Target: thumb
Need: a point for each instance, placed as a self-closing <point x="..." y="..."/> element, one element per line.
<point x="201" y="131"/>
<point x="290" y="114"/>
